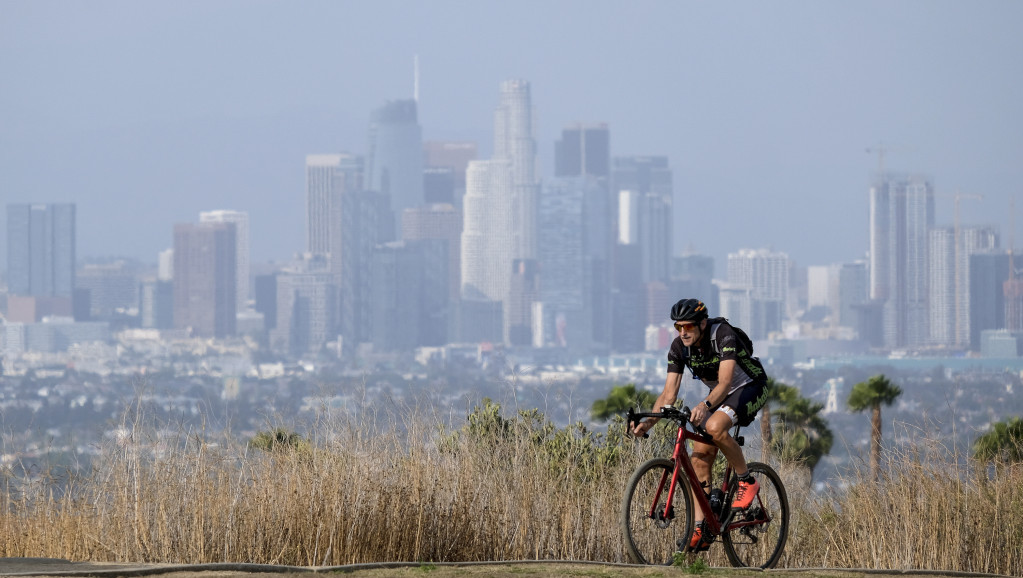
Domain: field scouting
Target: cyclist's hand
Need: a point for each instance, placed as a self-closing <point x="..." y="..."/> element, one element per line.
<point x="640" y="429"/>
<point x="699" y="414"/>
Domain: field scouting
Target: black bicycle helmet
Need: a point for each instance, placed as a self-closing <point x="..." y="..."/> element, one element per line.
<point x="688" y="310"/>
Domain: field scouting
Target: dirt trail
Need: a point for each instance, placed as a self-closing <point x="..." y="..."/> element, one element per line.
<point x="24" y="567"/>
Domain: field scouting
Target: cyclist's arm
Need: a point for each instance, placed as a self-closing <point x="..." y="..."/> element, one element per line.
<point x="667" y="397"/>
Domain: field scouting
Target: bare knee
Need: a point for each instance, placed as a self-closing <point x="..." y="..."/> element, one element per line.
<point x="718" y="428"/>
<point x="717" y="431"/>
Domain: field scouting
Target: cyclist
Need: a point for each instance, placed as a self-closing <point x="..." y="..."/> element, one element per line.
<point x="715" y="355"/>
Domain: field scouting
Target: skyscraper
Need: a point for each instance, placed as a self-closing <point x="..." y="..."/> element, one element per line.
<point x="343" y="223"/>
<point x="41" y="250"/>
<point x="853" y="293"/>
<point x="306" y="306"/>
<point x="111" y="288"/>
<point x="692" y="275"/>
<point x="766" y="275"/>
<point x="366" y="221"/>
<point x="446" y="160"/>
<point x="822" y="286"/>
<point x="488" y="243"/>
<point x="628" y="300"/>
<point x="394" y="161"/>
<point x="409" y="303"/>
<point x="645" y="192"/>
<point x="266" y="298"/>
<point x="443" y="222"/>
<point x="165" y="265"/>
<point x="514" y="142"/>
<point x="328" y="177"/>
<point x="241" y="224"/>
<point x="901" y="216"/>
<point x="989" y="272"/>
<point x="584" y="150"/>
<point x="204" y="278"/>
<point x="566" y="271"/>
<point x="156" y="304"/>
<point x="949" y="284"/>
<point x="523" y="294"/>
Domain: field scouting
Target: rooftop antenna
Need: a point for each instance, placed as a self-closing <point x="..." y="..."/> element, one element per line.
<point x="415" y="78"/>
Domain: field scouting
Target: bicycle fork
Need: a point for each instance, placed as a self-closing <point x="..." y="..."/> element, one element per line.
<point x="668" y="514"/>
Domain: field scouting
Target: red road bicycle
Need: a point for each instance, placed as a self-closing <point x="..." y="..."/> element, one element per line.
<point x="657" y="511"/>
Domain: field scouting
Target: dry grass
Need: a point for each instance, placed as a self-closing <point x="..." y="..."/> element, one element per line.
<point x="932" y="508"/>
<point x="503" y="488"/>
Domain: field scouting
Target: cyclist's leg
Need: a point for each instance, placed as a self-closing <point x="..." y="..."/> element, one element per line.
<point x="719" y="426"/>
<point x="703" y="463"/>
<point x="740" y="406"/>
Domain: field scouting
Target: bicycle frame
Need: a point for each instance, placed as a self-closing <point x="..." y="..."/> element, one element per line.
<point x="681" y="457"/>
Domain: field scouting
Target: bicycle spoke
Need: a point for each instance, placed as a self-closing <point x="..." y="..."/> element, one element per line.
<point x="653" y="539"/>
<point x="756" y="536"/>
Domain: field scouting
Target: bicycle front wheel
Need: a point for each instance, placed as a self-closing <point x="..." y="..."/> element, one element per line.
<point x="756" y="536"/>
<point x="654" y="530"/>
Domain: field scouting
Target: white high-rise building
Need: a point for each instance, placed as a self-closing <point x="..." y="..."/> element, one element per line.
<point x="765" y="274"/>
<point x="853" y="292"/>
<point x="327" y="177"/>
<point x="822" y="286"/>
<point x="949" y="287"/>
<point x="514" y="142"/>
<point x="488" y="242"/>
<point x="901" y="217"/>
<point x="165" y="265"/>
<point x="241" y="227"/>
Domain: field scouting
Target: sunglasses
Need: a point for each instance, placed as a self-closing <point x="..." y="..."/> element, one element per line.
<point x="684" y="327"/>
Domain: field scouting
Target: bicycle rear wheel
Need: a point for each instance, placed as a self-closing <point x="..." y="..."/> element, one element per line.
<point x="756" y="536"/>
<point x="652" y="537"/>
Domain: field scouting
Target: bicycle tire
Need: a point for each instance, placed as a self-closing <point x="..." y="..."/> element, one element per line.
<point x="759" y="545"/>
<point x="654" y="540"/>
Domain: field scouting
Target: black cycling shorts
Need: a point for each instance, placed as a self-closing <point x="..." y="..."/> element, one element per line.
<point x="744" y="403"/>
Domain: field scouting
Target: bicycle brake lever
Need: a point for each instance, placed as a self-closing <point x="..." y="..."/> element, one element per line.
<point x="632" y="420"/>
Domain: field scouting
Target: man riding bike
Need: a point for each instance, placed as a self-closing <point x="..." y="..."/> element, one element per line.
<point x="715" y="355"/>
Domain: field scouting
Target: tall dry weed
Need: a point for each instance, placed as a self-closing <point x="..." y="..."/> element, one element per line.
<point x="400" y="487"/>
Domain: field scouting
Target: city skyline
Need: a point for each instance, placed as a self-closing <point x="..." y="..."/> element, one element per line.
<point x="774" y="107"/>
<point x="534" y="253"/>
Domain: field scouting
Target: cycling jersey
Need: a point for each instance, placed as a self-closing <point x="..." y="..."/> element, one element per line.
<point x="703" y="361"/>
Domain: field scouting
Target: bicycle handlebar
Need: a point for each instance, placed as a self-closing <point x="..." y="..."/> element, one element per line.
<point x="681" y="416"/>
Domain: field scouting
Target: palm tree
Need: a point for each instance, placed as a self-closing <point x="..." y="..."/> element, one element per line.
<point x="803" y="435"/>
<point x="777" y="394"/>
<point x="871" y="394"/>
<point x="621" y="398"/>
<point x="1004" y="443"/>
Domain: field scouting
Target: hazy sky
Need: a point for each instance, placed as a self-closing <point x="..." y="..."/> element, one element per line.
<point x="145" y="113"/>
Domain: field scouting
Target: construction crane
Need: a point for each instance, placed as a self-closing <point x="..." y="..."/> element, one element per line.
<point x="880" y="150"/>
